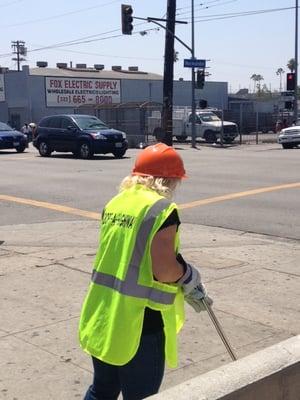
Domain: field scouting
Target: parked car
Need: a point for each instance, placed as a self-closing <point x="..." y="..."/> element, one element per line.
<point x="83" y="135"/>
<point x="290" y="137"/>
<point x="208" y="125"/>
<point x="12" y="139"/>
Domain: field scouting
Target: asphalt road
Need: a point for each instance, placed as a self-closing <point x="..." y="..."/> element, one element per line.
<point x="213" y="172"/>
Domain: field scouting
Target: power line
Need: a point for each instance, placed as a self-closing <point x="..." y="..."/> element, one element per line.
<point x="88" y="39"/>
<point x="240" y="14"/>
<point x="11" y="3"/>
<point x="204" y="7"/>
<point x="85" y="41"/>
<point x="105" y="55"/>
<point x="80" y="41"/>
<point x="60" y="15"/>
<point x="198" y="5"/>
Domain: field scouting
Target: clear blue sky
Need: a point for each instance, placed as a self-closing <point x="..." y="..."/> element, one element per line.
<point x="237" y="47"/>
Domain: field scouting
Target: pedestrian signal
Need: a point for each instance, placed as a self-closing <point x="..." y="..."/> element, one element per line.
<point x="203" y="103"/>
<point x="290" y="81"/>
<point x="200" y="79"/>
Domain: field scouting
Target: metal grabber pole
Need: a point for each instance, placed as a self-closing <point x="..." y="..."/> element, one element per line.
<point x="219" y="329"/>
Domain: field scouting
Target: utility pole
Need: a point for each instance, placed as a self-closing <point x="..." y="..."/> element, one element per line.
<point x="20" y="50"/>
<point x="167" y="111"/>
<point x="296" y="64"/>
<point x="193" y="82"/>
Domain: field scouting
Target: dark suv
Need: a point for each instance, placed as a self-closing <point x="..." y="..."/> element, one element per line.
<point x="83" y="135"/>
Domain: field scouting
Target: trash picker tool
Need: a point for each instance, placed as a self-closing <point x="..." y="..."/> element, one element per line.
<point x="219" y="329"/>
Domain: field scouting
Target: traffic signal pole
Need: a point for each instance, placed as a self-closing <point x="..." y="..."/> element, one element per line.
<point x="193" y="83"/>
<point x="167" y="111"/>
<point x="296" y="65"/>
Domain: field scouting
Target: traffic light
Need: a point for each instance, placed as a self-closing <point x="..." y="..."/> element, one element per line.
<point x="290" y="81"/>
<point x="200" y="79"/>
<point x="203" y="103"/>
<point x="288" y="105"/>
<point x="126" y="15"/>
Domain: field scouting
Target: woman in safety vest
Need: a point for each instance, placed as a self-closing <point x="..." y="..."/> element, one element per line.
<point x="134" y="307"/>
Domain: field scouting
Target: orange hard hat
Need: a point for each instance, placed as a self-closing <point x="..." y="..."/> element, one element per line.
<point x="159" y="160"/>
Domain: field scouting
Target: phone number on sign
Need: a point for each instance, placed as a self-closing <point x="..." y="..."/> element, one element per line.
<point x="82" y="99"/>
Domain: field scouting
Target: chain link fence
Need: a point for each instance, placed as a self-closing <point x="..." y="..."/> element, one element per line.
<point x="131" y="118"/>
<point x="134" y="119"/>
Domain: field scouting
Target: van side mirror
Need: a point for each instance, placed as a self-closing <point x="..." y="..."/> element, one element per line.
<point x="71" y="128"/>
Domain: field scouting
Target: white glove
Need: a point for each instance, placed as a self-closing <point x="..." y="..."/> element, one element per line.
<point x="195" y="297"/>
<point x="191" y="277"/>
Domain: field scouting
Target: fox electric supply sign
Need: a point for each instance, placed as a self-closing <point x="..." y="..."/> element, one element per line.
<point x="64" y="92"/>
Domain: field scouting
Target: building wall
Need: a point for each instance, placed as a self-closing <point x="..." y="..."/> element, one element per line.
<point x="25" y="95"/>
<point x="15" y="108"/>
<point x="140" y="91"/>
<point x="37" y="97"/>
<point x="216" y="94"/>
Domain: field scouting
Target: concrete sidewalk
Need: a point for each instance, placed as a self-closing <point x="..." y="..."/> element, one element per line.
<point x="45" y="270"/>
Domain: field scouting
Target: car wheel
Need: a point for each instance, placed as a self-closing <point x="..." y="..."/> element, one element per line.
<point x="228" y="140"/>
<point x="181" y="138"/>
<point x="85" y="151"/>
<point x="210" y="137"/>
<point x="119" y="153"/>
<point x="20" y="149"/>
<point x="76" y="153"/>
<point x="44" y="149"/>
<point x="287" y="145"/>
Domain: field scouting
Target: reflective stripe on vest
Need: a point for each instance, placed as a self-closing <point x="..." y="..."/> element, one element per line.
<point x="130" y="286"/>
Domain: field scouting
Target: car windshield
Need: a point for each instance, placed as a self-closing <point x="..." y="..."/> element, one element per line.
<point x="208" y="117"/>
<point x="90" y="123"/>
<point x="5" y="127"/>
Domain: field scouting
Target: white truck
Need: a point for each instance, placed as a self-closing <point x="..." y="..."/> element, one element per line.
<point x="208" y="125"/>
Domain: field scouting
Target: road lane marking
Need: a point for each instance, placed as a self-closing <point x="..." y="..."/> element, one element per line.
<point x="232" y="196"/>
<point x="52" y="206"/>
<point x="197" y="203"/>
<point x="15" y="158"/>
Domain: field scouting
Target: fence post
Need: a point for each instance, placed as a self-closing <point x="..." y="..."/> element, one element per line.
<point x="241" y="121"/>
<point x="256" y="127"/>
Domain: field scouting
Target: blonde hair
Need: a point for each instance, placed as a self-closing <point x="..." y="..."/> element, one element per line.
<point x="163" y="186"/>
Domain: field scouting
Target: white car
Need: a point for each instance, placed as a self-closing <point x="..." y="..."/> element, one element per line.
<point x="290" y="137"/>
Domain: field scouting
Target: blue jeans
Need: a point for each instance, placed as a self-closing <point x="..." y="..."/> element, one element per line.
<point x="139" y="378"/>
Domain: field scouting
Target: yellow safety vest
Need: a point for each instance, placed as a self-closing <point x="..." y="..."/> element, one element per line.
<point x="122" y="282"/>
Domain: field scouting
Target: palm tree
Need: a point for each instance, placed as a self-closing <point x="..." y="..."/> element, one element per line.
<point x="253" y="77"/>
<point x="280" y="72"/>
<point x="257" y="78"/>
<point x="291" y="65"/>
